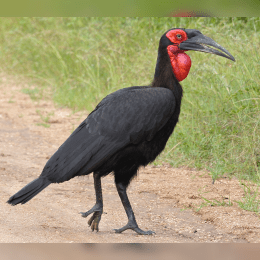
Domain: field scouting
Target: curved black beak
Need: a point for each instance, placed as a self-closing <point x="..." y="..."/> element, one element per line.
<point x="198" y="42"/>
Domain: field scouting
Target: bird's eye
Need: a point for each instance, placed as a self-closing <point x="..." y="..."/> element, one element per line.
<point x="178" y="36"/>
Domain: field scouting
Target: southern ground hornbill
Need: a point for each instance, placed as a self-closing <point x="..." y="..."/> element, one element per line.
<point x="128" y="129"/>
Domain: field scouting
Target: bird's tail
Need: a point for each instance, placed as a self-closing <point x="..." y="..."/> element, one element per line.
<point x="29" y="191"/>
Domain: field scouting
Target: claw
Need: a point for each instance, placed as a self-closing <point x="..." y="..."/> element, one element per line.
<point x="83" y="214"/>
<point x="93" y="222"/>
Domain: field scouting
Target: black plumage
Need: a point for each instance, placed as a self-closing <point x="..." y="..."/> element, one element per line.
<point x="128" y="129"/>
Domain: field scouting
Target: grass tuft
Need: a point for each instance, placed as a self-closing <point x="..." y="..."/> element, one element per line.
<point x="250" y="201"/>
<point x="45" y="119"/>
<point x="214" y="203"/>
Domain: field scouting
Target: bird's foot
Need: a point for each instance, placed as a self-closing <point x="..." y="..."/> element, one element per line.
<point x="134" y="227"/>
<point x="96" y="217"/>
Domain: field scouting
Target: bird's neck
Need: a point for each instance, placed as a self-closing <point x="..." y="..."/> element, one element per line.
<point x="164" y="76"/>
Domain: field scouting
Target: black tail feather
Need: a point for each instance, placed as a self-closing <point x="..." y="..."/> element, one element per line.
<point x="29" y="191"/>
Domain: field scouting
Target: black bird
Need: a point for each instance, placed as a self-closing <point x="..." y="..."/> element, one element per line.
<point x="128" y="129"/>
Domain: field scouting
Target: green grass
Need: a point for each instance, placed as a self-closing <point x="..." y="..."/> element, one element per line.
<point x="250" y="202"/>
<point x="214" y="203"/>
<point x="33" y="93"/>
<point x="45" y="119"/>
<point x="83" y="59"/>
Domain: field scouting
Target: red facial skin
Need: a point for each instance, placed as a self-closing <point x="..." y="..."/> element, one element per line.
<point x="180" y="61"/>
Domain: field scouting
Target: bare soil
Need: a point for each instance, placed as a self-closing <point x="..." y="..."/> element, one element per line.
<point x="164" y="199"/>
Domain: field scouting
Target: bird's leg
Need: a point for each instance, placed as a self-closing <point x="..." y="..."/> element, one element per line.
<point x="98" y="207"/>
<point x="132" y="224"/>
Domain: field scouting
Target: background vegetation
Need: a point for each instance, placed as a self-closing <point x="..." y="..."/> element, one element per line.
<point x="81" y="60"/>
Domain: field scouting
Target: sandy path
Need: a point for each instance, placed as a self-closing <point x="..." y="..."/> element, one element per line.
<point x="158" y="195"/>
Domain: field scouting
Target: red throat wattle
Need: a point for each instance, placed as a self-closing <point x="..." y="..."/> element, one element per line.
<point x="180" y="62"/>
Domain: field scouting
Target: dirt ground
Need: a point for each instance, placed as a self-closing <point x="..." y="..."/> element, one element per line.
<point x="164" y="199"/>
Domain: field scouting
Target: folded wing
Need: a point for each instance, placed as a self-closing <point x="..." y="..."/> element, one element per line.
<point x="130" y="115"/>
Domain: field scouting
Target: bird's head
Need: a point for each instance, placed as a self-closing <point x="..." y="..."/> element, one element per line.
<point x="177" y="41"/>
